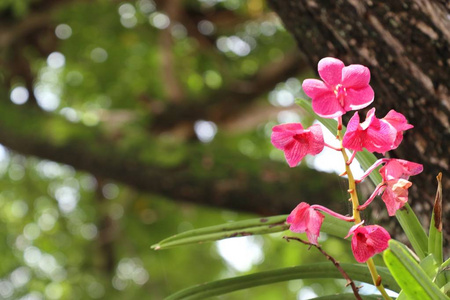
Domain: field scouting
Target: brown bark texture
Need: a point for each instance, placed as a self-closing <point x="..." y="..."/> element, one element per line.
<point x="406" y="46"/>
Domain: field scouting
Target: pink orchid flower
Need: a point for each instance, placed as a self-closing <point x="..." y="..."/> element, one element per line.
<point x="296" y="142"/>
<point x="376" y="135"/>
<point x="368" y="241"/>
<point x="395" y="184"/>
<point x="395" y="176"/>
<point x="304" y="218"/>
<point x="343" y="88"/>
<point x="399" y="122"/>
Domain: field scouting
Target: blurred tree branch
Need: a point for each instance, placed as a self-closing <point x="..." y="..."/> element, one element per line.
<point x="204" y="178"/>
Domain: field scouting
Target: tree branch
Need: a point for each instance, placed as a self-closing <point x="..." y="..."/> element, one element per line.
<point x="225" y="104"/>
<point x="205" y="176"/>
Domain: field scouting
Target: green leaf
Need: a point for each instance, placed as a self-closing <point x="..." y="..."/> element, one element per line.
<point x="429" y="265"/>
<point x="357" y="272"/>
<point x="406" y="217"/>
<point x="227" y="230"/>
<point x="435" y="244"/>
<point x="410" y="276"/>
<point x="273" y="224"/>
<point x="413" y="230"/>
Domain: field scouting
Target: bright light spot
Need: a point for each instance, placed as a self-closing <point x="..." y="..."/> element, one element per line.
<point x="67" y="198"/>
<point x="179" y="31"/>
<point x="22" y="243"/>
<point x="131" y="269"/>
<point x="48" y="263"/>
<point x="48" y="219"/>
<point x="6" y="289"/>
<point x="306" y="293"/>
<point x="205" y="130"/>
<point x="3" y="153"/>
<point x="206" y="27"/>
<point x="126" y="10"/>
<point x="45" y="98"/>
<point x="90" y="118"/>
<point x="119" y="284"/>
<point x="268" y="28"/>
<point x="32" y="255"/>
<point x="212" y="79"/>
<point x="88" y="183"/>
<point x="284" y="98"/>
<point x="146" y="6"/>
<point x="99" y="55"/>
<point x="288" y="116"/>
<point x="370" y="289"/>
<point x="16" y="172"/>
<point x="128" y="21"/>
<point x="63" y="31"/>
<point x="31" y="231"/>
<point x="221" y="44"/>
<point x="242" y="252"/>
<point x="56" y="60"/>
<point x="19" y="209"/>
<point x="330" y="160"/>
<point x="49" y="169"/>
<point x="159" y="20"/>
<point x="54" y="290"/>
<point x="88" y="231"/>
<point x="234" y="44"/>
<point x="293" y="85"/>
<point x="110" y="191"/>
<point x="70" y="114"/>
<point x="238" y="46"/>
<point x="19" y="95"/>
<point x="20" y="276"/>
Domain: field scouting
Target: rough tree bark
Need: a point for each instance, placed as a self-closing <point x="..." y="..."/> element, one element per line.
<point x="406" y="46"/>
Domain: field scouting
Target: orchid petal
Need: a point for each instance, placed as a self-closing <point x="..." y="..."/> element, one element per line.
<point x="330" y="70"/>
<point x="327" y="106"/>
<point x="355" y="76"/>
<point x="315" y="87"/>
<point x="358" y="98"/>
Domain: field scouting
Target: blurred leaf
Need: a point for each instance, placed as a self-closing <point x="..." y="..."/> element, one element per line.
<point x="273" y="224"/>
<point x="357" y="272"/>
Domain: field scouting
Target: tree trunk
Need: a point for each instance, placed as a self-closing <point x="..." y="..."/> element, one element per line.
<point x="406" y="46"/>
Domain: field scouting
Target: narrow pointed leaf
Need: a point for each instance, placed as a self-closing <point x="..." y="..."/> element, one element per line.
<point x="410" y="276"/>
<point x="430" y="267"/>
<point x="357" y="272"/>
<point x="413" y="230"/>
<point x="258" y="226"/>
<point x="406" y="217"/>
<point x="435" y="244"/>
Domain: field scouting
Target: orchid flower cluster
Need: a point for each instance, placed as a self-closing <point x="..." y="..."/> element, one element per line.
<point x="343" y="89"/>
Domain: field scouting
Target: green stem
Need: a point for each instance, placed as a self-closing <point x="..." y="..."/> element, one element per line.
<point x="356" y="215"/>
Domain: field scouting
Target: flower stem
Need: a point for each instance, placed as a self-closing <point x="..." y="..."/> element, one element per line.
<point x="376" y="278"/>
<point x="356" y="215"/>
